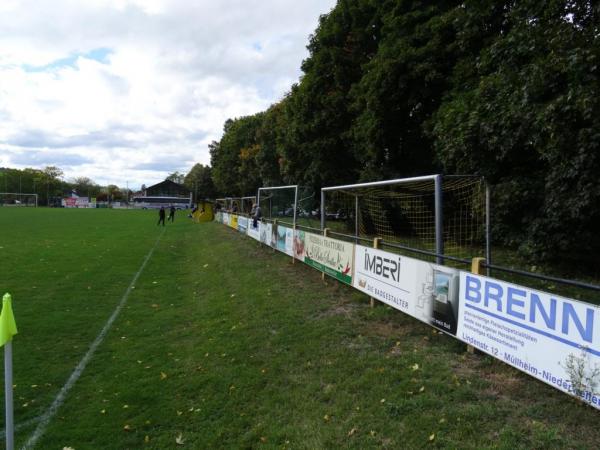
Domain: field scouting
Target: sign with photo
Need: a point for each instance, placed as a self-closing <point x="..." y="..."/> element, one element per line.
<point x="554" y="339"/>
<point x="426" y="291"/>
<point x="299" y="245"/>
<point x="285" y="240"/>
<point x="332" y="256"/>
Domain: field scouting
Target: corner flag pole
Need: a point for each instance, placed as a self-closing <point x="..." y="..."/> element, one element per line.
<point x="8" y="329"/>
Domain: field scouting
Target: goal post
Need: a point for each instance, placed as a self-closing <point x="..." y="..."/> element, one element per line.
<point x="279" y="203"/>
<point x="441" y="215"/>
<point x="18" y="199"/>
<point x="293" y="205"/>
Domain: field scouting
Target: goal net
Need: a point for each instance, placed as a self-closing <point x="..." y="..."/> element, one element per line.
<point x="18" y="199"/>
<point x="404" y="212"/>
<point x="279" y="202"/>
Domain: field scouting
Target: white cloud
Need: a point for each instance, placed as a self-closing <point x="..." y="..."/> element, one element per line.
<point x="130" y="90"/>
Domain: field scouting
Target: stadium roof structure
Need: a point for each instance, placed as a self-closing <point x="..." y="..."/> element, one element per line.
<point x="167" y="188"/>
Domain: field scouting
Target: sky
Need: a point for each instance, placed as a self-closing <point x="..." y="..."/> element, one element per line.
<point x="126" y="92"/>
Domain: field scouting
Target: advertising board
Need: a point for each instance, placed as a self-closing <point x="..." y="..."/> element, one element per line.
<point x="426" y="291"/>
<point x="285" y="240"/>
<point x="266" y="231"/>
<point x="554" y="339"/>
<point x="233" y="221"/>
<point x="242" y="224"/>
<point x="299" y="246"/>
<point x="254" y="232"/>
<point x="331" y="256"/>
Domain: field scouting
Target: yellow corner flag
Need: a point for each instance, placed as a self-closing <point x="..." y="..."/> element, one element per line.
<point x="8" y="327"/>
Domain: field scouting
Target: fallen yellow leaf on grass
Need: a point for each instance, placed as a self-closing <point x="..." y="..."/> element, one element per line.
<point x="432" y="437"/>
<point x="205" y="266"/>
<point x="127" y="428"/>
<point x="263" y="439"/>
<point x="415" y="367"/>
<point x="326" y="417"/>
<point x="68" y="448"/>
<point x="154" y="305"/>
<point x="422" y="389"/>
<point x="179" y="439"/>
<point x="352" y="431"/>
<point x="163" y="375"/>
<point x="179" y="413"/>
<point x="147" y="439"/>
<point x="103" y="411"/>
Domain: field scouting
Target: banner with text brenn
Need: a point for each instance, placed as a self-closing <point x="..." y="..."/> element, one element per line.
<point x="554" y="339"/>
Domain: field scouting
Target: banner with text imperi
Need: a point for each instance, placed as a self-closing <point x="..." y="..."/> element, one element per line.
<point x="426" y="291"/>
<point x="554" y="339"/>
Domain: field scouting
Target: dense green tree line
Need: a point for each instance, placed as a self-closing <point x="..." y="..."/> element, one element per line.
<point x="392" y="88"/>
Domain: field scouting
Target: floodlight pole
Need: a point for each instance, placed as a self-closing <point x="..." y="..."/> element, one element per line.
<point x="439" y="220"/>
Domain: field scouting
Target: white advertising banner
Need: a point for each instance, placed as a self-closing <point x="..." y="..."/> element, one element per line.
<point x="554" y="339"/>
<point x="254" y="232"/>
<point x="426" y="291"/>
<point x="285" y="240"/>
<point x="265" y="230"/>
<point x="225" y="218"/>
<point x="242" y="224"/>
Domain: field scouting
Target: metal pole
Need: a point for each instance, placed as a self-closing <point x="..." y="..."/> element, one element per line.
<point x="295" y="205"/>
<point x="488" y="235"/>
<point x="381" y="183"/>
<point x="356" y="218"/>
<point x="439" y="220"/>
<point x="8" y="396"/>
<point x="322" y="209"/>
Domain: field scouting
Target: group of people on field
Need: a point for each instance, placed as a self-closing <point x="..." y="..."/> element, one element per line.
<point x="162" y="213"/>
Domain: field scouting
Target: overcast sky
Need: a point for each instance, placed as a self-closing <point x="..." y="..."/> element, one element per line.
<point x="128" y="91"/>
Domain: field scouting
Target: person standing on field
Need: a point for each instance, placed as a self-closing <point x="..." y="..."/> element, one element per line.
<point x="172" y="214"/>
<point x="161" y="216"/>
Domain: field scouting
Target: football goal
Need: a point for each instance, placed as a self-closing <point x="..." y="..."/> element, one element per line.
<point x="18" y="199"/>
<point x="444" y="215"/>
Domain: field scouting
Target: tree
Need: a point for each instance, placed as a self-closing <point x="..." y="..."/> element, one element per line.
<point x="85" y="186"/>
<point x="526" y="116"/>
<point x="234" y="168"/>
<point x="199" y="181"/>
<point x="176" y="177"/>
<point x="317" y="146"/>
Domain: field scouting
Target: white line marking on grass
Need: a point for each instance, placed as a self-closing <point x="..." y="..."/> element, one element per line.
<point x="60" y="398"/>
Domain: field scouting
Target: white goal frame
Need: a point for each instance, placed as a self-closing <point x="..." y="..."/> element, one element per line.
<point x="20" y="194"/>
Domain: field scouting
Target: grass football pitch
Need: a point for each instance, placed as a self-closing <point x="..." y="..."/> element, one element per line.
<point x="223" y="343"/>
